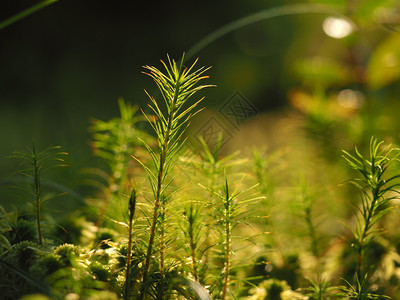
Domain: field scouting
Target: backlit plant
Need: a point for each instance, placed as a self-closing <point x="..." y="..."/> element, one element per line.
<point x="378" y="188"/>
<point x="33" y="163"/>
<point x="169" y="123"/>
<point x="196" y="222"/>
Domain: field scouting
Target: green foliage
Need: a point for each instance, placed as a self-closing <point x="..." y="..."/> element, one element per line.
<point x="322" y="290"/>
<point x="192" y="229"/>
<point x="18" y="270"/>
<point x="362" y="292"/>
<point x="202" y="222"/>
<point x="230" y="212"/>
<point x="32" y="165"/>
<point x="35" y="297"/>
<point x="5" y="227"/>
<point x="100" y="271"/>
<point x="382" y="66"/>
<point x="24" y="254"/>
<point x="176" y="87"/>
<point x="377" y="191"/>
<point x="48" y="264"/>
<point x="114" y="141"/>
<point x="68" y="254"/>
<point x="22" y="230"/>
<point x="322" y="72"/>
<point x="272" y="289"/>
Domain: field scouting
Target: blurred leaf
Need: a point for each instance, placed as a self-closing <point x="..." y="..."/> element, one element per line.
<point x="327" y="106"/>
<point x="384" y="65"/>
<point x="322" y="72"/>
<point x="368" y="10"/>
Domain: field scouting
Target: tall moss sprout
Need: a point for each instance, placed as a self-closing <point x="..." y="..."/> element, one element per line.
<point x="33" y="162"/>
<point x="378" y="188"/>
<point x="177" y="85"/>
<point x="232" y="209"/>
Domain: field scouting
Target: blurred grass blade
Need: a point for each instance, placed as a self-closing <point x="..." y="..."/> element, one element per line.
<point x="39" y="285"/>
<point x="25" y="13"/>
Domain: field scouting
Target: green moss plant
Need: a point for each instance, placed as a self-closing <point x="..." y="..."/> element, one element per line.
<point x="231" y="211"/>
<point x="33" y="163"/>
<point x="177" y="85"/>
<point x="378" y="187"/>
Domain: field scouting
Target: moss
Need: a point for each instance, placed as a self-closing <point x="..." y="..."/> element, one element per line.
<point x="271" y="289"/>
<point x="68" y="253"/>
<point x="22" y="230"/>
<point x="48" y="264"/>
<point x="100" y="271"/>
<point x="104" y="295"/>
<point x="35" y="297"/>
<point x="121" y="258"/>
<point x="23" y="255"/>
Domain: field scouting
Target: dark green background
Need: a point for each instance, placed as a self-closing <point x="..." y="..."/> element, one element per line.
<point x="72" y="60"/>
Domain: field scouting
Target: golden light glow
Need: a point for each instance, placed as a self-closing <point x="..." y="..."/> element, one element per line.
<point x="337" y="28"/>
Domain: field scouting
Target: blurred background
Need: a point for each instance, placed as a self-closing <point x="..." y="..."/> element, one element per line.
<point x="296" y="80"/>
<point x="72" y="60"/>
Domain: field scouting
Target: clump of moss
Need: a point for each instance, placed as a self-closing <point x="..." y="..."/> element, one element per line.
<point x="274" y="289"/>
<point x="22" y="230"/>
<point x="100" y="271"/>
<point x="121" y="258"/>
<point x="35" y="297"/>
<point x="104" y="295"/>
<point x="48" y="264"/>
<point x="23" y="255"/>
<point x="68" y="253"/>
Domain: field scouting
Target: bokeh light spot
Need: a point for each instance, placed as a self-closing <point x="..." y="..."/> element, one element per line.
<point x="337" y="28"/>
<point x="350" y="99"/>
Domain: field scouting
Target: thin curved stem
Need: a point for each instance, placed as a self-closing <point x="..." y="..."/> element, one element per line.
<point x="25" y="13"/>
<point x="262" y="16"/>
